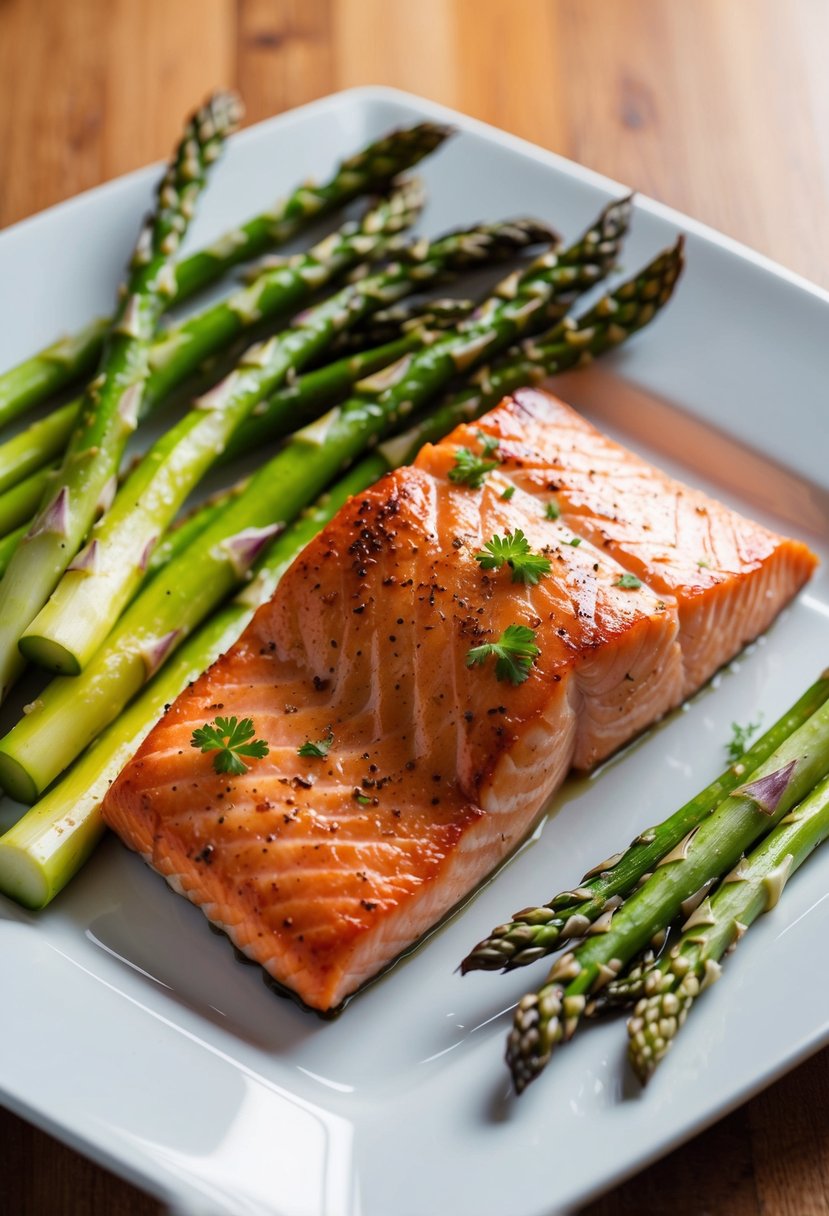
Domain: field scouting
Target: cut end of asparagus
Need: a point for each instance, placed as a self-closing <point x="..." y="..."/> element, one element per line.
<point x="40" y="853"/>
<point x="17" y="781"/>
<point x="22" y="878"/>
<point x="49" y="653"/>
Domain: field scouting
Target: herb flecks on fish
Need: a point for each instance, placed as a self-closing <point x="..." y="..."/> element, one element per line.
<point x="629" y="582"/>
<point x="319" y="749"/>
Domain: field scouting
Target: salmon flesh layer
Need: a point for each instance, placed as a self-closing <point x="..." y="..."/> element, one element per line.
<point x="323" y="869"/>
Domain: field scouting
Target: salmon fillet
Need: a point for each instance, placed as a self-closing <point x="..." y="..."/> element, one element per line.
<point x="323" y="869"/>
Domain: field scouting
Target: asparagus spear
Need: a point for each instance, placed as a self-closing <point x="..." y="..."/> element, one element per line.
<point x="180" y="353"/>
<point x="574" y="342"/>
<point x="672" y="985"/>
<point x="552" y="1014"/>
<point x="58" y="365"/>
<point x="45" y="742"/>
<point x="104" y="575"/>
<point x="95" y="589"/>
<point x="45" y="373"/>
<point x="8" y="546"/>
<point x="42" y="443"/>
<point x="538" y="931"/>
<point x="51" y="842"/>
<point x="18" y="505"/>
<point x="110" y="410"/>
<point x="304" y="399"/>
<point x="299" y="403"/>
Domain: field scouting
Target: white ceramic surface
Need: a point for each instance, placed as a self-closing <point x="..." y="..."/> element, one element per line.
<point x="130" y="1031"/>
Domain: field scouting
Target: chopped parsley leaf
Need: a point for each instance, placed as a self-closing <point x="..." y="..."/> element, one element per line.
<point x="230" y="739"/>
<point x="552" y="510"/>
<point x="629" y="582"/>
<point x="514" y="549"/>
<point x="470" y="470"/>
<point x="514" y="654"/>
<point x="508" y="493"/>
<point x="319" y="749"/>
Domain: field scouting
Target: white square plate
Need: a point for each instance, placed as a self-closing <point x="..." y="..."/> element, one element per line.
<point x="130" y="1031"/>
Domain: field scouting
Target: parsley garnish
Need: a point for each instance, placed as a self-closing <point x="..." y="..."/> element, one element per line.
<point x="514" y="549"/>
<point x="575" y="542"/>
<point x="738" y="743"/>
<point x="318" y="750"/>
<point x="514" y="653"/>
<point x="508" y="493"/>
<point x="470" y="469"/>
<point x="552" y="510"/>
<point x="490" y="443"/>
<point x="629" y="581"/>
<point x="229" y="739"/>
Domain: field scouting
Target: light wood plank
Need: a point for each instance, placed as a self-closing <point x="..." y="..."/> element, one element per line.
<point x="96" y="88"/>
<point x="285" y="53"/>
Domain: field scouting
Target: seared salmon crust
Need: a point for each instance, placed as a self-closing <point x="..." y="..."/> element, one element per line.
<point x="323" y="869"/>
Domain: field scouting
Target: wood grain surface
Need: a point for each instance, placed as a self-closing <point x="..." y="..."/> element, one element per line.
<point x="719" y="107"/>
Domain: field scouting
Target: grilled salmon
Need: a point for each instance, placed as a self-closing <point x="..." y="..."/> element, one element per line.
<point x="324" y="867"/>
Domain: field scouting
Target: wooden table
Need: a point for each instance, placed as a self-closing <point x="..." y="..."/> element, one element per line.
<point x="719" y="107"/>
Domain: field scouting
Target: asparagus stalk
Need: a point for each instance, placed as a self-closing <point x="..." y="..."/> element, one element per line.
<point x="50" y="843"/>
<point x="574" y="342"/>
<point x="538" y="931"/>
<point x="46" y="741"/>
<point x="8" y="546"/>
<point x="299" y="403"/>
<point x="52" y="369"/>
<point x="38" y="445"/>
<point x="100" y="581"/>
<point x="672" y="985"/>
<point x="110" y="410"/>
<point x="18" y="505"/>
<point x="305" y="399"/>
<point x="553" y="1013"/>
<point x="37" y="378"/>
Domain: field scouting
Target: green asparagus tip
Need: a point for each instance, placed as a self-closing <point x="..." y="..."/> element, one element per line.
<point x="659" y="1015"/>
<point x="537" y="1027"/>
